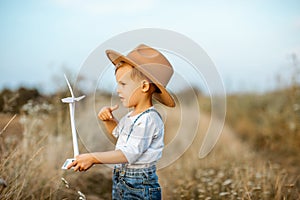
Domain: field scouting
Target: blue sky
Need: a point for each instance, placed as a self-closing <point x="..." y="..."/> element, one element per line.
<point x="249" y="41"/>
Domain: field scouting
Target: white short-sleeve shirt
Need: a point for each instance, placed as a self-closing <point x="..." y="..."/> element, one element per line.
<point x="145" y="142"/>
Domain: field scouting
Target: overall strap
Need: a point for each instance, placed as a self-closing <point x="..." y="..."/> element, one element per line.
<point x="146" y="111"/>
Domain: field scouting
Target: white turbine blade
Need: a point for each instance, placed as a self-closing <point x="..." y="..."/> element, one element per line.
<point x="79" y="98"/>
<point x="68" y="100"/>
<point x="72" y="94"/>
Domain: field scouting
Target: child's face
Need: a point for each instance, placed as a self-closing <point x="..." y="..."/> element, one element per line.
<point x="128" y="89"/>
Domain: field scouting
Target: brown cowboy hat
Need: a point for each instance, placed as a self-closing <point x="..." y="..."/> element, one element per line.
<point x="152" y="64"/>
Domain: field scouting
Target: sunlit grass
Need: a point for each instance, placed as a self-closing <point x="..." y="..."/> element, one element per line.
<point x="241" y="166"/>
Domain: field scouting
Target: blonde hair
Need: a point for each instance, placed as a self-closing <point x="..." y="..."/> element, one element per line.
<point x="139" y="76"/>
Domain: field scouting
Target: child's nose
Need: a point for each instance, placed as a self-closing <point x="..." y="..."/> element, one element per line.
<point x="118" y="89"/>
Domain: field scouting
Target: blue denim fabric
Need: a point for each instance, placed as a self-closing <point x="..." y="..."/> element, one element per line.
<point x="131" y="184"/>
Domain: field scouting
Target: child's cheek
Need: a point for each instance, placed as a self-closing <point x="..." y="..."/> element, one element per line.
<point x="134" y="97"/>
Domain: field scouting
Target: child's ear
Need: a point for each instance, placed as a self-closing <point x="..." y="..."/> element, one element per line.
<point x="145" y="85"/>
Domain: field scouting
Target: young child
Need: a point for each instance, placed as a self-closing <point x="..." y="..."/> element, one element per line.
<point x="141" y="75"/>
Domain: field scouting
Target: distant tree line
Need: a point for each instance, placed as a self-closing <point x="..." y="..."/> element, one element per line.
<point x="11" y="101"/>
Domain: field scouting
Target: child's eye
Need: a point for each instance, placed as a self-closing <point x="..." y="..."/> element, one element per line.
<point x="122" y="83"/>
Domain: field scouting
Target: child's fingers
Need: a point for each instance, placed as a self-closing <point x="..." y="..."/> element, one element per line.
<point x="115" y="107"/>
<point x="76" y="164"/>
<point x="72" y="164"/>
<point x="76" y="168"/>
<point x="103" y="114"/>
<point x="106" y="113"/>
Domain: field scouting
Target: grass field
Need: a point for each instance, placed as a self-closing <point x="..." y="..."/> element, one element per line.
<point x="256" y="157"/>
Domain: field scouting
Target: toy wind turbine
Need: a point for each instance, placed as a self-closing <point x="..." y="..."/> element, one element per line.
<point x="71" y="101"/>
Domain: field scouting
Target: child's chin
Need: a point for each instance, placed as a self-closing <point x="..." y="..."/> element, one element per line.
<point x="125" y="104"/>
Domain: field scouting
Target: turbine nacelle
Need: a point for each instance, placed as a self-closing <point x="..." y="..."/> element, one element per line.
<point x="72" y="99"/>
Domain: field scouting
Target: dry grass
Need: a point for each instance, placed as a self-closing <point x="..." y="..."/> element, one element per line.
<point x="270" y="123"/>
<point x="232" y="171"/>
<point x="30" y="163"/>
<point x="23" y="165"/>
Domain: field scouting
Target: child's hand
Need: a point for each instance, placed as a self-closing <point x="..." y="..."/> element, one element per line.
<point x="82" y="163"/>
<point x="105" y="113"/>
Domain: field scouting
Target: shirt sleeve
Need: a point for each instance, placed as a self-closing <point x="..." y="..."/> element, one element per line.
<point x="140" y="139"/>
<point x="116" y="131"/>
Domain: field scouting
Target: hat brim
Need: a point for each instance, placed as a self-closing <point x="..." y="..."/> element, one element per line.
<point x="163" y="97"/>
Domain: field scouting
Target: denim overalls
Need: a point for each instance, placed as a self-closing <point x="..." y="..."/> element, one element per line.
<point x="138" y="182"/>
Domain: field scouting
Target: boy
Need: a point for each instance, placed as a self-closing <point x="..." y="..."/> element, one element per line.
<point x="141" y="75"/>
